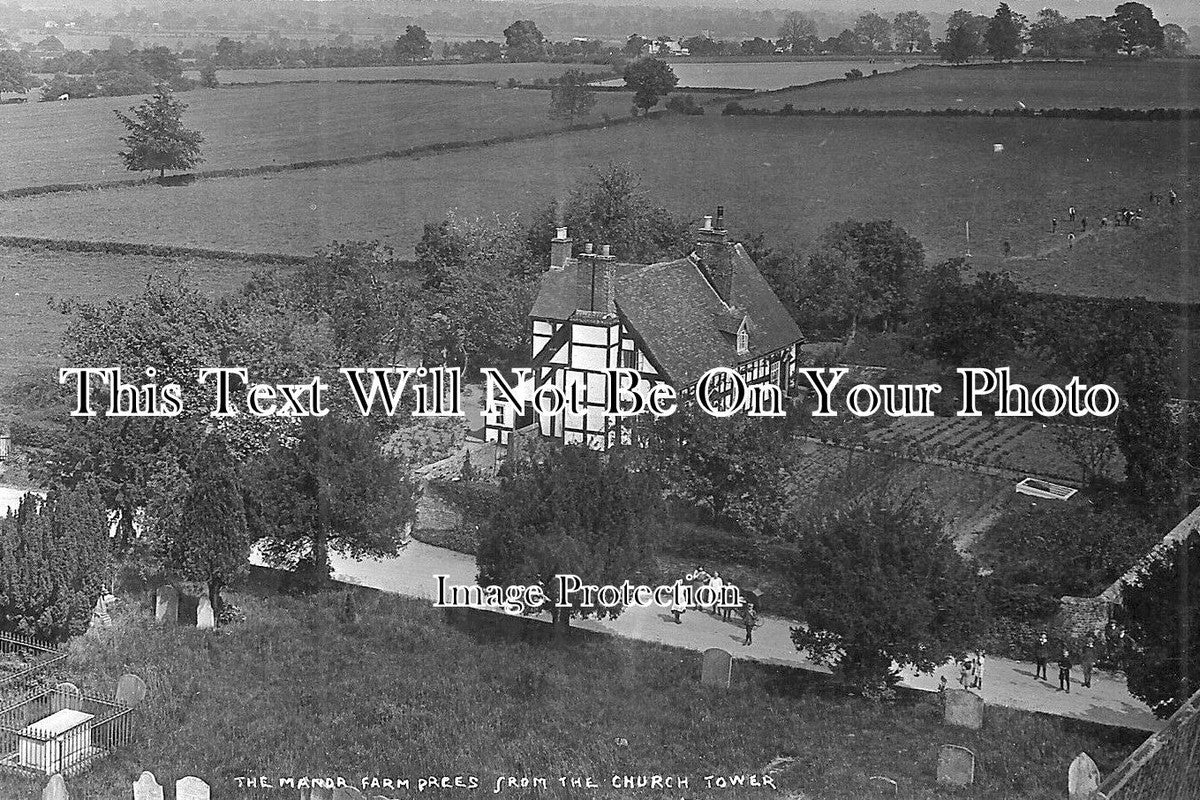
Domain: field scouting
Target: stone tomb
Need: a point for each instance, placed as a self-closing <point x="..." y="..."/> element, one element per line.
<point x="963" y="708"/>
<point x="716" y="668"/>
<point x="955" y="766"/>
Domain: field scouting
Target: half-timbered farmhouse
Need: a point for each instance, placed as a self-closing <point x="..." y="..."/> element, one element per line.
<point x="672" y="321"/>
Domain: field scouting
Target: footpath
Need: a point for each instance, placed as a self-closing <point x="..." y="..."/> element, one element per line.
<point x="1005" y="683"/>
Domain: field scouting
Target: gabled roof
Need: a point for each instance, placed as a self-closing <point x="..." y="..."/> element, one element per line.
<point x="677" y="313"/>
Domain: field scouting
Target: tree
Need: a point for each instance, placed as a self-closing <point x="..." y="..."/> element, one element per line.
<point x="964" y="36"/>
<point x="14" y="75"/>
<point x="912" y="32"/>
<point x="758" y="46"/>
<point x="1175" y="41"/>
<point x="610" y="207"/>
<point x="1050" y="33"/>
<point x="1145" y="428"/>
<point x="1004" y="33"/>
<point x="796" y="32"/>
<point x="575" y="512"/>
<point x="524" y="41"/>
<point x="864" y="270"/>
<point x="160" y="63"/>
<point x="1138" y="27"/>
<point x="634" y="45"/>
<point x="651" y="79"/>
<point x="1157" y="609"/>
<point x="208" y="76"/>
<point x="201" y="526"/>
<point x="157" y="139"/>
<point x="970" y="324"/>
<point x="54" y="555"/>
<point x="413" y="45"/>
<point x="881" y="583"/>
<point x="572" y="96"/>
<point x="330" y="488"/>
<point x="874" y="32"/>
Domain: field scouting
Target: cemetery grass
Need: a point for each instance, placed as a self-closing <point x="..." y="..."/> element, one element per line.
<point x="1119" y="83"/>
<point x="789" y="178"/>
<point x="77" y="141"/>
<point x="403" y="693"/>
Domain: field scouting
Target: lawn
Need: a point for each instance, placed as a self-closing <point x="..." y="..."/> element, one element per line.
<point x="789" y="177"/>
<point x="404" y="694"/>
<point x="1099" y="84"/>
<point x="30" y="330"/>
<point x="77" y="141"/>
<point x="524" y="72"/>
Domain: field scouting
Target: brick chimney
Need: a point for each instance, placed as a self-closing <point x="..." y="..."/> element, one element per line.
<point x="716" y="255"/>
<point x="560" y="249"/>
<point x="595" y="281"/>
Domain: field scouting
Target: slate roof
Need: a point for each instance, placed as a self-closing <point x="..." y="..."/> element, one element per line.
<point x="679" y="315"/>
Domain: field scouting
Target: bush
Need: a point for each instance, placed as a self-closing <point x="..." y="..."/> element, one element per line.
<point x="684" y="104"/>
<point x="733" y="109"/>
<point x="854" y="74"/>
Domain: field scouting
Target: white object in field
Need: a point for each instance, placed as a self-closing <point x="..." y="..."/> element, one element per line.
<point x="1020" y="105"/>
<point x="1044" y="489"/>
<point x="997" y="148"/>
<point x="70" y="733"/>
<point x="64" y="97"/>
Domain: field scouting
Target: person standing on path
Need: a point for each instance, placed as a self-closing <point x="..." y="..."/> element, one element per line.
<point x="677" y="609"/>
<point x="715" y="583"/>
<point x="966" y="673"/>
<point x="979" y="659"/>
<point x="1172" y="197"/>
<point x="1086" y="660"/>
<point x="750" y="621"/>
<point x="1064" y="671"/>
<point x="1041" y="655"/>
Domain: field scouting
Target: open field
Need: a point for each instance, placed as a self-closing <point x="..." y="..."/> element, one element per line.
<point x="765" y="75"/>
<point x="77" y="141"/>
<point x="789" y="177"/>
<point x="1098" y="84"/>
<point x="405" y="694"/>
<point x="30" y="330"/>
<point x="525" y="72"/>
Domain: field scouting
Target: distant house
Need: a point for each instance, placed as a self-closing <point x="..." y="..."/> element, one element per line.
<point x="671" y="321"/>
<point x="664" y="47"/>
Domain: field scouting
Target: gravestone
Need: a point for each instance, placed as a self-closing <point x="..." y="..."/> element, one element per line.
<point x="348" y="793"/>
<point x="100" y="616"/>
<point x="146" y="787"/>
<point x="56" y="789"/>
<point x="131" y="690"/>
<point x="1083" y="778"/>
<point x="192" y="788"/>
<point x="66" y="695"/>
<point x="205" y="619"/>
<point x="716" y="668"/>
<point x="955" y="766"/>
<point x="320" y="793"/>
<point x="166" y="606"/>
<point x="963" y="708"/>
<point x="884" y="787"/>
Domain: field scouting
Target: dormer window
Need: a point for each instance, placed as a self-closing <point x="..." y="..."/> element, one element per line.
<point x="743" y="339"/>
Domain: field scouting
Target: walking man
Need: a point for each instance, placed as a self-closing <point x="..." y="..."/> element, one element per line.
<point x="1071" y="213"/>
<point x="1087" y="659"/>
<point x="979" y="658"/>
<point x="1070" y="241"/>
<point x="1172" y="197"/>
<point x="1064" y="671"/>
<point x="1041" y="656"/>
<point x="1083" y="224"/>
<point x="1054" y="224"/>
<point x="750" y="621"/>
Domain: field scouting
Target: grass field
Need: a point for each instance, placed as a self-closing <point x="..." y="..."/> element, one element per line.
<point x="76" y="141"/>
<point x="788" y="177"/>
<point x="767" y="75"/>
<point x="30" y="330"/>
<point x="1099" y="84"/>
<point x="405" y="694"/>
<point x="529" y="71"/>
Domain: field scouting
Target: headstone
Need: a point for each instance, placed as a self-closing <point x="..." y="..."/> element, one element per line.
<point x="205" y="619"/>
<point x="955" y="766"/>
<point x="166" y="606"/>
<point x="997" y="148"/>
<point x="146" y="787"/>
<point x="884" y="787"/>
<point x="320" y="793"/>
<point x="348" y="793"/>
<point x="56" y="789"/>
<point x="1083" y="778"/>
<point x="192" y="788"/>
<point x="66" y="695"/>
<point x="963" y="708"/>
<point x="100" y="617"/>
<point x="716" y="668"/>
<point x="131" y="690"/>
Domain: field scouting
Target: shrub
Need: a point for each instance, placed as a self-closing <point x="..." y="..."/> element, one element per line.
<point x="733" y="109"/>
<point x="854" y="74"/>
<point x="684" y="104"/>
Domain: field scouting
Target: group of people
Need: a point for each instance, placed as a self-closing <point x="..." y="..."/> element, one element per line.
<point x="702" y="577"/>
<point x="1129" y="217"/>
<point x="1042" y="655"/>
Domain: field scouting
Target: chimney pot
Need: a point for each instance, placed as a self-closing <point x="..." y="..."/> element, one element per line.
<point x="604" y="250"/>
<point x="707" y="224"/>
<point x="562" y="234"/>
<point x="720" y="217"/>
<point x="587" y="248"/>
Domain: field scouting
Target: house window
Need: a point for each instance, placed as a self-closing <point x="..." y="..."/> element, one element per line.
<point x="629" y="359"/>
<point x="743" y="341"/>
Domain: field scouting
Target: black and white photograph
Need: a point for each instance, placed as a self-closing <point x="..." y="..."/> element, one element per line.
<point x="599" y="399"/>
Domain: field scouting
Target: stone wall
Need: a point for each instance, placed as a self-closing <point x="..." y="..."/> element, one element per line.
<point x="1079" y="617"/>
<point x="1166" y="766"/>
